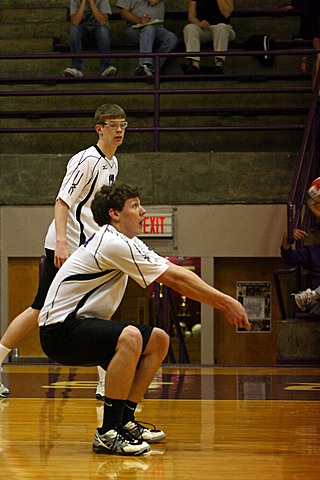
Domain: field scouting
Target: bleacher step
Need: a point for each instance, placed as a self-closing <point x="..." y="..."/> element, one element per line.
<point x="298" y="340"/>
<point x="33" y="15"/>
<point x="19" y="45"/>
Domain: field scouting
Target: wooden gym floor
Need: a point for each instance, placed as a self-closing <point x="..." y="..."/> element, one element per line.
<point x="221" y="423"/>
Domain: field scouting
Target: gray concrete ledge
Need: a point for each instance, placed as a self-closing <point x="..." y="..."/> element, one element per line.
<point x="166" y="178"/>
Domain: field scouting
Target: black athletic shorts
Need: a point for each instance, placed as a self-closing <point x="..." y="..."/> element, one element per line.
<point x="47" y="273"/>
<point x="86" y="341"/>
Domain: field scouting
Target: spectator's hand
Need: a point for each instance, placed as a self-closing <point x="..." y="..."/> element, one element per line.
<point x="286" y="9"/>
<point x="204" y="24"/>
<point x="299" y="234"/>
<point x="145" y="19"/>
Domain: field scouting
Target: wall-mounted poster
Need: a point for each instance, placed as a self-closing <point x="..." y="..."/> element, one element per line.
<point x="256" y="299"/>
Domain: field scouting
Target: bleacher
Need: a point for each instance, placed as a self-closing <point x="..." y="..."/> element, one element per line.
<point x="249" y="107"/>
<point x="33" y="87"/>
<point x="246" y="124"/>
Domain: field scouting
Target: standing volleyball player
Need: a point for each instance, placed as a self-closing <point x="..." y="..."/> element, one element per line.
<point x="75" y="326"/>
<point x="86" y="172"/>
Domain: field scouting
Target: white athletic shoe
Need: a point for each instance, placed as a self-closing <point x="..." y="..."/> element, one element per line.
<point x="140" y="432"/>
<point x="305" y="298"/>
<point x="4" y="391"/>
<point x="72" y="72"/>
<point x="100" y="390"/>
<point x="118" y="442"/>
<point x="109" y="71"/>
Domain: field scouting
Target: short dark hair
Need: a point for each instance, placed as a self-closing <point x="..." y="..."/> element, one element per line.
<point x="111" y="196"/>
<point x="108" y="111"/>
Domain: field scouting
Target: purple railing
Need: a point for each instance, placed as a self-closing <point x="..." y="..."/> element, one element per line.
<point x="156" y="89"/>
<point x="298" y="216"/>
<point x="307" y="167"/>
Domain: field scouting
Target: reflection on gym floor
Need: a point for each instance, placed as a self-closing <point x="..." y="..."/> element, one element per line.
<point x="174" y="382"/>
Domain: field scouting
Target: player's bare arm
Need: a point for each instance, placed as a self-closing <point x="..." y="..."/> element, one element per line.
<point x="188" y="283"/>
<point x="61" y="252"/>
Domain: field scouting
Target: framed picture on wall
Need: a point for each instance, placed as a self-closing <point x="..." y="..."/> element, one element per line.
<point x="256" y="300"/>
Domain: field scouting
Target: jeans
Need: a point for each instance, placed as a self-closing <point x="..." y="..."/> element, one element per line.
<point x="219" y="34"/>
<point x="80" y="35"/>
<point x="149" y="35"/>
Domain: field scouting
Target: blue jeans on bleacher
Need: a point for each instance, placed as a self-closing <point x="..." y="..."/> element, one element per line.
<point x="80" y="35"/>
<point x="149" y="35"/>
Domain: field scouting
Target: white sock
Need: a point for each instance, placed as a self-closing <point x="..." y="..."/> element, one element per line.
<point x="4" y="351"/>
<point x="101" y="373"/>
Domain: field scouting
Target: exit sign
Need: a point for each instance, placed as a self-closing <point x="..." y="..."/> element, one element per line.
<point x="158" y="223"/>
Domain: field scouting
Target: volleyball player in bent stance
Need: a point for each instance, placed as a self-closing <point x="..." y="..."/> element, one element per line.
<point x="75" y="326"/>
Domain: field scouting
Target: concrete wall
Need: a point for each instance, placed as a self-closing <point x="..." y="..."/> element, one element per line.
<point x="167" y="178"/>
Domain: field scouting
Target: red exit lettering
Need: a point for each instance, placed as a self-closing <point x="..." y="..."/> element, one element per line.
<point x="153" y="225"/>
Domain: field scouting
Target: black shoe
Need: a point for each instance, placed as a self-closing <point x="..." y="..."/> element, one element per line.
<point x="190" y="69"/>
<point x="211" y="70"/>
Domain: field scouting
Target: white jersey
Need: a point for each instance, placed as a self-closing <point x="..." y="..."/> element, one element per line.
<point x="86" y="172"/>
<point x="92" y="281"/>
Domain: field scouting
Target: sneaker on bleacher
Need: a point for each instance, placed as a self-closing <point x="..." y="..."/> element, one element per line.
<point x="305" y="298"/>
<point x="143" y="70"/>
<point x="72" y="72"/>
<point x="110" y="71"/>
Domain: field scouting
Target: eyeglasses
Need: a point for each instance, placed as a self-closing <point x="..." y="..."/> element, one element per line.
<point x="115" y="125"/>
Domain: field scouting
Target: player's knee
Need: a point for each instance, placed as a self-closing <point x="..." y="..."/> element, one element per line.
<point x="161" y="340"/>
<point x="131" y="339"/>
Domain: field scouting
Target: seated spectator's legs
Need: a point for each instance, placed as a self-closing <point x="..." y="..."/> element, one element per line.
<point x="147" y="38"/>
<point x="194" y="36"/>
<point x="77" y="34"/>
<point x="102" y="33"/>
<point x="133" y="35"/>
<point x="221" y="35"/>
<point x="166" y="40"/>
